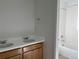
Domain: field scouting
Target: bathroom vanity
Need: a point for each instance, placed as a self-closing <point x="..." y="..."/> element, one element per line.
<point x="23" y="49"/>
<point x="32" y="51"/>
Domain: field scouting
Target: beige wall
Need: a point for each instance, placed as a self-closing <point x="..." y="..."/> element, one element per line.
<point x="16" y="17"/>
<point x="46" y="10"/>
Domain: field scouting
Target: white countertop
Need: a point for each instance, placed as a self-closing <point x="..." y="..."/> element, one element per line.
<point x="18" y="43"/>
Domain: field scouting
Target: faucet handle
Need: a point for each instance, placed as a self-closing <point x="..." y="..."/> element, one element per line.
<point x="3" y="41"/>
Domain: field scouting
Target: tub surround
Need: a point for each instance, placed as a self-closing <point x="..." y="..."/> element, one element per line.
<point x="18" y="42"/>
<point x="67" y="52"/>
<point x="62" y="57"/>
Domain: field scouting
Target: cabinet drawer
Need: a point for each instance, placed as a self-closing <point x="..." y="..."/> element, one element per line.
<point x="10" y="53"/>
<point x="16" y="57"/>
<point x="32" y="47"/>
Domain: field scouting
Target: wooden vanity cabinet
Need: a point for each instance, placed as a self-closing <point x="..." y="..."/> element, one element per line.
<point x="16" y="57"/>
<point x="11" y="54"/>
<point x="34" y="51"/>
<point x="28" y="55"/>
<point x="35" y="54"/>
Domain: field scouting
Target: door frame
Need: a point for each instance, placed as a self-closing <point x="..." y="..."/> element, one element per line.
<point x="57" y="29"/>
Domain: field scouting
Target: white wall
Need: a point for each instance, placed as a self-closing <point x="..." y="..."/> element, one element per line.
<point x="71" y="33"/>
<point x="68" y="24"/>
<point x="46" y="10"/>
<point x="16" y="17"/>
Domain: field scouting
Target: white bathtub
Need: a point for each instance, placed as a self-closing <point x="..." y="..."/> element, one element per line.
<point x="67" y="52"/>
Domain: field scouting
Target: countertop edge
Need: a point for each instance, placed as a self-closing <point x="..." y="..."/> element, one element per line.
<point x="20" y="46"/>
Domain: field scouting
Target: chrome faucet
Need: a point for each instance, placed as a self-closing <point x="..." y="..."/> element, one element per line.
<point x="3" y="41"/>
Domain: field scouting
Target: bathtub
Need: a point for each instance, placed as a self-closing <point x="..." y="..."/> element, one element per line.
<point x="67" y="52"/>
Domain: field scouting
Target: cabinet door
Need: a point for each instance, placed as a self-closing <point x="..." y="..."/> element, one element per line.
<point x="28" y="55"/>
<point x="38" y="54"/>
<point x="15" y="57"/>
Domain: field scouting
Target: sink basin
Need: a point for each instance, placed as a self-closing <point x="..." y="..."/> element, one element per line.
<point x="6" y="45"/>
<point x="28" y="40"/>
